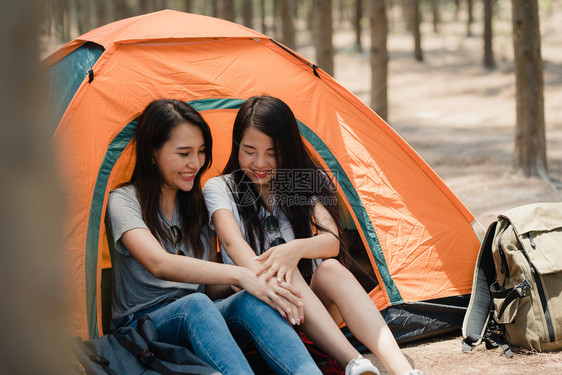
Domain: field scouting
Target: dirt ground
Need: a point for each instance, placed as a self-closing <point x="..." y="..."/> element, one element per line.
<point x="460" y="117"/>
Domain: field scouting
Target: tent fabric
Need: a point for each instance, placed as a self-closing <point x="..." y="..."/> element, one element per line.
<point x="417" y="233"/>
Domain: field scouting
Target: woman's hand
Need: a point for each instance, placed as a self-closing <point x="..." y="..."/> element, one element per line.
<point x="295" y="311"/>
<point x="280" y="260"/>
<point x="283" y="297"/>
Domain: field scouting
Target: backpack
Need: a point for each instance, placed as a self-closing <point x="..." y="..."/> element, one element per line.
<point x="518" y="282"/>
<point x="135" y="351"/>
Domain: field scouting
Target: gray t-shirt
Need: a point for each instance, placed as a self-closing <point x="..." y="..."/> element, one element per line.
<point x="218" y="195"/>
<point x="134" y="288"/>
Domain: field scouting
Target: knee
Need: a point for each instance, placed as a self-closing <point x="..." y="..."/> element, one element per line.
<point x="196" y="303"/>
<point x="331" y="270"/>
<point x="247" y="304"/>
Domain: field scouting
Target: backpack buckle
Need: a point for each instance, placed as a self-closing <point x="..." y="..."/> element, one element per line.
<point x="146" y="357"/>
<point x="522" y="288"/>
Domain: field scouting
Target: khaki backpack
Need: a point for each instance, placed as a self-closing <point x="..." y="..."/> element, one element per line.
<point x="518" y="281"/>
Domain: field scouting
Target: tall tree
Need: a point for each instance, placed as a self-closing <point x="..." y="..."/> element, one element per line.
<point x="470" y="18"/>
<point x="416" y="20"/>
<point x="407" y="14"/>
<point x="357" y="15"/>
<point x="457" y="9"/>
<point x="32" y="323"/>
<point x="83" y="15"/>
<point x="489" y="61"/>
<point x="102" y="13"/>
<point x="224" y="9"/>
<point x="61" y="10"/>
<point x="530" y="138"/>
<point x="379" y="57"/>
<point x="145" y="6"/>
<point x="390" y="13"/>
<point x="342" y="13"/>
<point x="276" y="32"/>
<point x="323" y="30"/>
<point x="187" y="5"/>
<point x="262" y="16"/>
<point x="120" y="9"/>
<point x="435" y="13"/>
<point x="287" y="14"/>
<point x="248" y="13"/>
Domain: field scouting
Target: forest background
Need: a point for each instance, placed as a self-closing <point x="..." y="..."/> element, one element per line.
<point x="449" y="90"/>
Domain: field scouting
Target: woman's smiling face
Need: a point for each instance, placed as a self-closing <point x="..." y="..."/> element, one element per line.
<point x="257" y="157"/>
<point x="181" y="157"/>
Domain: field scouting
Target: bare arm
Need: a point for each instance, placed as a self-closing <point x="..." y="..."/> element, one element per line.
<point x="282" y="260"/>
<point x="242" y="254"/>
<point x="149" y="253"/>
<point x="163" y="265"/>
<point x="215" y="291"/>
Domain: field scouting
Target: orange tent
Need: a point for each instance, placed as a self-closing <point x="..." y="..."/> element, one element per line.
<point x="418" y="235"/>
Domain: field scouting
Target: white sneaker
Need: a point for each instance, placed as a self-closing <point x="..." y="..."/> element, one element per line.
<point x="361" y="366"/>
<point x="414" y="372"/>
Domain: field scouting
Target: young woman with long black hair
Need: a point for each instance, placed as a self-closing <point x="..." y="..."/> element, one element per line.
<point x="276" y="213"/>
<point x="161" y="247"/>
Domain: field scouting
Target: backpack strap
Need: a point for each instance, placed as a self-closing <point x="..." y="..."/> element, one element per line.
<point x="479" y="308"/>
<point x="85" y="358"/>
<point x="509" y="294"/>
<point x="477" y="325"/>
<point x="145" y="356"/>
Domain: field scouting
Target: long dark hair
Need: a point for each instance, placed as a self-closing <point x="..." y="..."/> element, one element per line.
<point x="154" y="127"/>
<point x="274" y="118"/>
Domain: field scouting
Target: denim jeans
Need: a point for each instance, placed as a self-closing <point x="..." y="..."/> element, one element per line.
<point x="215" y="331"/>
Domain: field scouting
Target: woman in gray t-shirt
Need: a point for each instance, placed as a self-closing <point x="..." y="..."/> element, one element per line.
<point x="161" y="250"/>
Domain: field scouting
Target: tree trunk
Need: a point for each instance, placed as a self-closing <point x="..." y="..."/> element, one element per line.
<point x="228" y="10"/>
<point x="248" y="13"/>
<point x="390" y="13"/>
<point x="322" y="13"/>
<point x="308" y="7"/>
<point x="187" y="4"/>
<point x="102" y="13"/>
<point x="262" y="16"/>
<point x="416" y="20"/>
<point x="488" y="35"/>
<point x="145" y="6"/>
<point x="435" y="13"/>
<point x="83" y="15"/>
<point x="161" y="4"/>
<point x="276" y="33"/>
<point x="530" y="138"/>
<point x="48" y="21"/>
<point x="358" y="14"/>
<point x="224" y="9"/>
<point x="457" y="9"/>
<point x="33" y="338"/>
<point x="61" y="20"/>
<point x="287" y="13"/>
<point x="470" y="18"/>
<point x="342" y="13"/>
<point x="120" y="10"/>
<point x="407" y="15"/>
<point x="379" y="57"/>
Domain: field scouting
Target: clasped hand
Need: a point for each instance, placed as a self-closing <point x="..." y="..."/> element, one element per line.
<point x="282" y="296"/>
<point x="280" y="260"/>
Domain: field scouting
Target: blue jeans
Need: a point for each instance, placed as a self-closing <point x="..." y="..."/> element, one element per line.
<point x="216" y="331"/>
